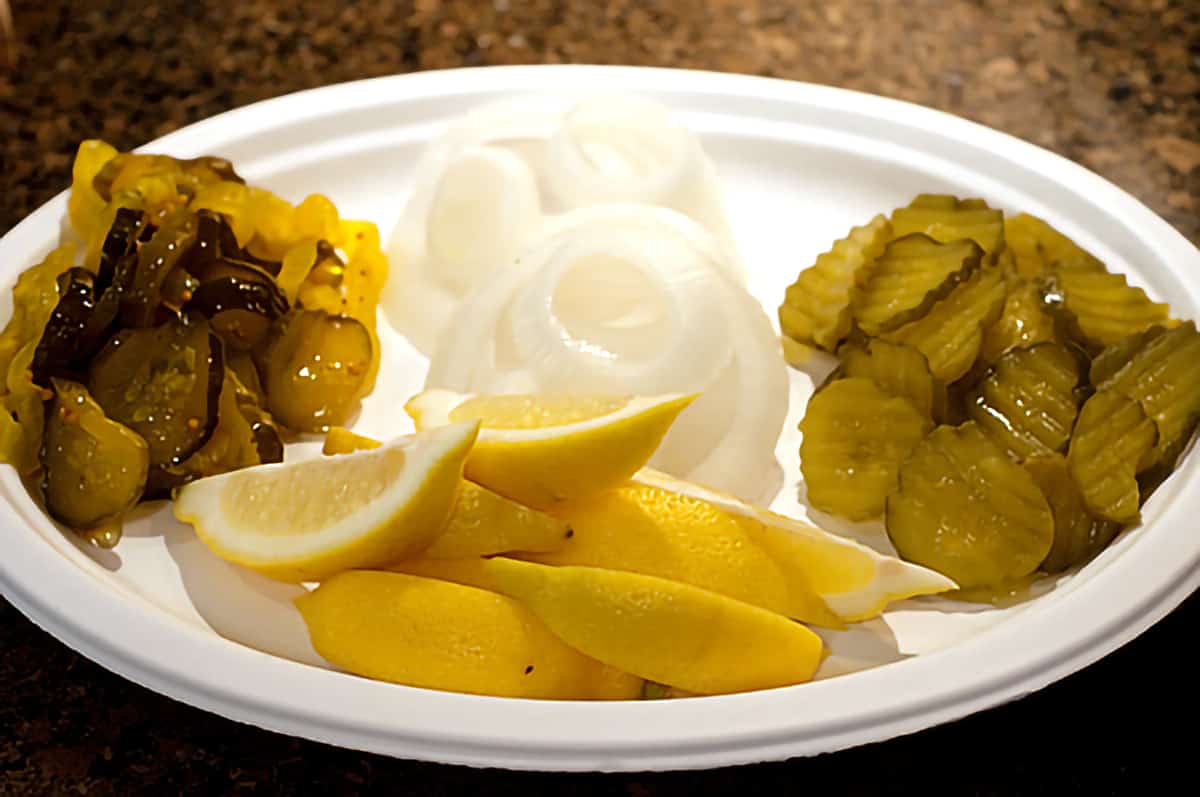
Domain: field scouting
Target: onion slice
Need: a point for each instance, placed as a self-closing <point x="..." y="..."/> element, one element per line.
<point x="638" y="300"/>
<point x="509" y="173"/>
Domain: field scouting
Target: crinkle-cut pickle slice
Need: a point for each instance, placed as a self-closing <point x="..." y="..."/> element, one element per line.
<point x="965" y="509"/>
<point x="1114" y="357"/>
<point x="1078" y="536"/>
<point x="816" y="307"/>
<point x="1112" y="435"/>
<point x="951" y="334"/>
<point x="854" y="438"/>
<point x="1161" y="375"/>
<point x="1023" y="322"/>
<point x="1028" y="402"/>
<point x="1038" y="247"/>
<point x="897" y="369"/>
<point x="908" y="278"/>
<point x="946" y="218"/>
<point x="1103" y="308"/>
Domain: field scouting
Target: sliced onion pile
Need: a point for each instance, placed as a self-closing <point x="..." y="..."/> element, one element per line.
<point x="626" y="298"/>
<point x="503" y="176"/>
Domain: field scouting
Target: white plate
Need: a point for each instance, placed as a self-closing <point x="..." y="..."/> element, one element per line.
<point x="800" y="164"/>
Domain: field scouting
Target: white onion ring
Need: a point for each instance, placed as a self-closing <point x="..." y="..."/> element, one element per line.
<point x="501" y="176"/>
<point x="632" y="299"/>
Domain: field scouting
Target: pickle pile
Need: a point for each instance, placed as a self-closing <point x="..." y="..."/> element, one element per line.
<point x="195" y="323"/>
<point x="1002" y="400"/>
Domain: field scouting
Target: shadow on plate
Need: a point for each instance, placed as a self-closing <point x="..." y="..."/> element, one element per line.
<point x="239" y="604"/>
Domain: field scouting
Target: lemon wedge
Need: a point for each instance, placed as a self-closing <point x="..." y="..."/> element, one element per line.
<point x="854" y="581"/>
<point x="304" y="521"/>
<point x="649" y="530"/>
<point x="544" y="450"/>
<point x="660" y="630"/>
<point x="439" y="635"/>
<point x="482" y="523"/>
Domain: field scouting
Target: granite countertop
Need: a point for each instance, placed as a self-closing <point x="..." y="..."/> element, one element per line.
<point x="1112" y="85"/>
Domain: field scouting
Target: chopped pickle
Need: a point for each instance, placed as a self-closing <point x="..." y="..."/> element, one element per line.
<point x="230" y="447"/>
<point x="896" y="369"/>
<point x="946" y="218"/>
<point x="913" y="273"/>
<point x="1101" y="308"/>
<point x="94" y="469"/>
<point x="965" y="509"/>
<point x="314" y="366"/>
<point x="240" y="310"/>
<point x="1028" y="401"/>
<point x="1038" y="248"/>
<point x="816" y="307"/>
<point x="142" y="300"/>
<point x="951" y="334"/>
<point x="34" y="298"/>
<point x="164" y="383"/>
<point x="1112" y="435"/>
<point x="1161" y="375"/>
<point x="1077" y="535"/>
<point x="854" y="437"/>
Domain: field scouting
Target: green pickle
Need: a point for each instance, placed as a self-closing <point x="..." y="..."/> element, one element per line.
<point x="1158" y="370"/>
<point x="898" y="370"/>
<point x="1112" y="436"/>
<point x="854" y="437"/>
<point x="314" y="367"/>
<point x="816" y="307"/>
<point x="1023" y="322"/>
<point x="94" y="469"/>
<point x="965" y="509"/>
<point x="946" y="218"/>
<point x="1037" y="247"/>
<point x="1101" y="308"/>
<point x="913" y="273"/>
<point x="951" y="334"/>
<point x="1028" y="402"/>
<point x="1078" y="536"/>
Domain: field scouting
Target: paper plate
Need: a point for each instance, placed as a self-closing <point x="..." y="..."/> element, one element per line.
<point x="800" y="164"/>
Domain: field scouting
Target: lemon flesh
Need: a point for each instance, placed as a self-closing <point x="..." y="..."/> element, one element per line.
<point x="482" y="523"/>
<point x="646" y="529"/>
<point x="660" y="630"/>
<point x="435" y="634"/>
<point x="543" y="451"/>
<point x="305" y="521"/>
<point x="854" y="581"/>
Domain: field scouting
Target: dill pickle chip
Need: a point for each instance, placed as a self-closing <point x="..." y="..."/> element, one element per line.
<point x="816" y="307"/>
<point x="1037" y="247"/>
<point x="965" y="509"/>
<point x="1078" y="536"/>
<point x="1115" y="356"/>
<point x="946" y="218"/>
<point x="1160" y="373"/>
<point x="1023" y="322"/>
<point x="1028" y="402"/>
<point x="1112" y="435"/>
<point x="912" y="274"/>
<point x="898" y="370"/>
<point x="1101" y="308"/>
<point x="854" y="438"/>
<point x="951" y="334"/>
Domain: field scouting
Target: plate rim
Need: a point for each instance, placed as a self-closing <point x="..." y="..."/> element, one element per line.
<point x="28" y="578"/>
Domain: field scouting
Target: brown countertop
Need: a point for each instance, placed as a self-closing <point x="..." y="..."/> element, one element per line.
<point x="1112" y="85"/>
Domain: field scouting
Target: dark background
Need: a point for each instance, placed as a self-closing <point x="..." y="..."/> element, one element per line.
<point x="1112" y="85"/>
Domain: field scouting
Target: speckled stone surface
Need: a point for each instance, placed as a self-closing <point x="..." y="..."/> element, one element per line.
<point x="1112" y="85"/>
